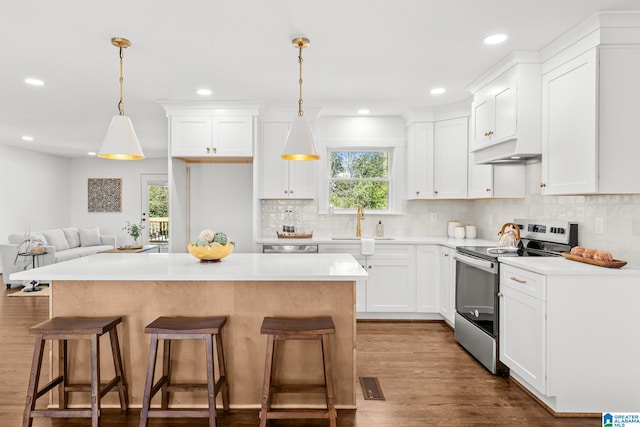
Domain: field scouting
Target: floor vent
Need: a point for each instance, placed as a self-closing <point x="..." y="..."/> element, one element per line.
<point x="371" y="389"/>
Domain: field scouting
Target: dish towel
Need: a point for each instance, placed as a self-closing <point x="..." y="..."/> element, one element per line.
<point x="367" y="246"/>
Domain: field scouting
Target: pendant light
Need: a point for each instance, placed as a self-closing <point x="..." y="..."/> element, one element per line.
<point x="300" y="143"/>
<point x="121" y="142"/>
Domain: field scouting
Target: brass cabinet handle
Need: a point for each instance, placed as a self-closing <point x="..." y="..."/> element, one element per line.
<point x="446" y="254"/>
<point x="286" y="191"/>
<point x="500" y="295"/>
<point x="435" y="192"/>
<point x="515" y="279"/>
<point x="215" y="150"/>
<point x="542" y="185"/>
<point x="208" y="150"/>
<point x="290" y="191"/>
<point x="417" y="192"/>
<point x="370" y="266"/>
<point x="487" y="189"/>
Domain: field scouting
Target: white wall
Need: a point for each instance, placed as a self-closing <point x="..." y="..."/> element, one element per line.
<point x="130" y="172"/>
<point x="34" y="191"/>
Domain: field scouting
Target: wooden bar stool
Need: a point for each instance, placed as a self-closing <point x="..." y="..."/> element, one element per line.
<point x="279" y="329"/>
<point x="74" y="328"/>
<point x="184" y="328"/>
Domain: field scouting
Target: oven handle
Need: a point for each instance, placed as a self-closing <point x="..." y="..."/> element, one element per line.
<point x="488" y="266"/>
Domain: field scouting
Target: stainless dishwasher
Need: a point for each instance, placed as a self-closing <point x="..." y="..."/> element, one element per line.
<point x="290" y="249"/>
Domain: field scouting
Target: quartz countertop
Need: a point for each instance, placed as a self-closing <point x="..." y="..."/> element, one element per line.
<point x="184" y="267"/>
<point x="562" y="266"/>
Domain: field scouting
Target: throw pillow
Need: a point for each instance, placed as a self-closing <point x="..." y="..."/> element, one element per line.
<point x="56" y="239"/>
<point x="73" y="237"/>
<point x="89" y="237"/>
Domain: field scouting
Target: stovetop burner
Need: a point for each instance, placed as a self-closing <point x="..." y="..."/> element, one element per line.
<point x="538" y="238"/>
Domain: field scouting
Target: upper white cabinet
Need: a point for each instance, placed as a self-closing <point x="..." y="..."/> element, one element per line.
<point x="493" y="110"/>
<point x="437" y="159"/>
<point x="505" y="112"/>
<point x="496" y="181"/>
<point x="212" y="131"/>
<point x="590" y="122"/>
<point x="284" y="179"/>
<point x="211" y="136"/>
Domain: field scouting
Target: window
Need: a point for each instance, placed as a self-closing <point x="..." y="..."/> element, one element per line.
<point x="359" y="177"/>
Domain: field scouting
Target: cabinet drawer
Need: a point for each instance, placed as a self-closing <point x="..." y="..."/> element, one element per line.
<point x="524" y="281"/>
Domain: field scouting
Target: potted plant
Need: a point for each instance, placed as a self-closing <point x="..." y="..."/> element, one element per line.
<point x="134" y="230"/>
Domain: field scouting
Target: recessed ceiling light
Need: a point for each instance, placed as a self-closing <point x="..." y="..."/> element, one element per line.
<point x="364" y="111"/>
<point x="91" y="153"/>
<point x="204" y="92"/>
<point x="437" y="91"/>
<point x="495" y="38"/>
<point x="34" y="82"/>
<point x="27" y="138"/>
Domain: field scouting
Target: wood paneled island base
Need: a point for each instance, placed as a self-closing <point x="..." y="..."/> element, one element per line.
<point x="245" y="303"/>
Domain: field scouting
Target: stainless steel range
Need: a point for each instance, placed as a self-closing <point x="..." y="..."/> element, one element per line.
<point x="478" y="284"/>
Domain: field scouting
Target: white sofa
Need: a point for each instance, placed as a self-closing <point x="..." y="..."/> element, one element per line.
<point x="60" y="244"/>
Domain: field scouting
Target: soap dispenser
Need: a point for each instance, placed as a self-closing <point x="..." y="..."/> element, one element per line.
<point x="379" y="229"/>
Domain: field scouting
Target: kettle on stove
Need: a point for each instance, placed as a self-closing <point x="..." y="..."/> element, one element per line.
<point x="509" y="236"/>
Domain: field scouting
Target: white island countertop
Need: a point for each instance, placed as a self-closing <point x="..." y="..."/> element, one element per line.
<point x="184" y="267"/>
<point x="564" y="267"/>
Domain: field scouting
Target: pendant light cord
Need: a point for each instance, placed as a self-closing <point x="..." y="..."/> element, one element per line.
<point x="300" y="112"/>
<point x="121" y="103"/>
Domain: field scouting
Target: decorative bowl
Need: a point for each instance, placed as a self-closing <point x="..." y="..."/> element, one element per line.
<point x="210" y="253"/>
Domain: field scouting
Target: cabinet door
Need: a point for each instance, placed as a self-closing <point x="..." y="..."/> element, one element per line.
<point x="522" y="336"/>
<point x="481" y="119"/>
<point x="190" y="136"/>
<point x="451" y="155"/>
<point x="232" y="136"/>
<point x="447" y="284"/>
<point x="480" y="180"/>
<point x="302" y="179"/>
<point x="427" y="278"/>
<point x="390" y="286"/>
<point x="569" y="127"/>
<point x="504" y="106"/>
<point x="275" y="171"/>
<point x="420" y="161"/>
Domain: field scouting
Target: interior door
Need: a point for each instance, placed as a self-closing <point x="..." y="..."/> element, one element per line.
<point x="155" y="209"/>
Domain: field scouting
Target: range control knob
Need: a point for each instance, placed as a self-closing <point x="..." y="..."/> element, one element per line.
<point x="560" y="230"/>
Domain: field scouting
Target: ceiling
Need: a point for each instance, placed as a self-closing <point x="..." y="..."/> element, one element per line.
<point x="383" y="55"/>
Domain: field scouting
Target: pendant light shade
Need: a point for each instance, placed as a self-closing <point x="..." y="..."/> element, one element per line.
<point x="300" y="143"/>
<point x="121" y="141"/>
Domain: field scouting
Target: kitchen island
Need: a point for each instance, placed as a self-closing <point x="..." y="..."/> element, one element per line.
<point x="244" y="287"/>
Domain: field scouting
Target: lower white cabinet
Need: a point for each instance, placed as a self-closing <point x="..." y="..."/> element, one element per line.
<point x="522" y="329"/>
<point x="391" y="286"/>
<point x="427" y="278"/>
<point x="447" y="269"/>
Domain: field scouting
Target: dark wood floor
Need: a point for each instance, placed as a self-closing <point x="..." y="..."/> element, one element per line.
<point x="427" y="379"/>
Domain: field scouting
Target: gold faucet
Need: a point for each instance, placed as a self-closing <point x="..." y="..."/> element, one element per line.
<point x="359" y="216"/>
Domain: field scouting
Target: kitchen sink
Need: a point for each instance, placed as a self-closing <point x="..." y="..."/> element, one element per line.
<point x="358" y="238"/>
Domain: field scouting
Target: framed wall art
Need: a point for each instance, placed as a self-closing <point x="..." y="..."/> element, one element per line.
<point x="104" y="194"/>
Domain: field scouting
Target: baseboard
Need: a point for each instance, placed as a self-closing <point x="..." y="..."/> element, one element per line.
<point x="550" y="410"/>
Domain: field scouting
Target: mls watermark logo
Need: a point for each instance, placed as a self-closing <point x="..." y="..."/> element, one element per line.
<point x="620" y="419"/>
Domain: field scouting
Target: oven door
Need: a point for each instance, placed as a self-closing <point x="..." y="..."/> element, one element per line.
<point x="476" y="292"/>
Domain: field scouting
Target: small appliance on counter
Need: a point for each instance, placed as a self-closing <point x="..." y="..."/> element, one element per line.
<point x="478" y="281"/>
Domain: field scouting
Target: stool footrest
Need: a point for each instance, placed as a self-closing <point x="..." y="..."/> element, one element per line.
<point x="178" y="413"/>
<point x="297" y="413"/>
<point x="104" y="388"/>
<point x="61" y="413"/>
<point x="298" y="388"/>
<point x="53" y="383"/>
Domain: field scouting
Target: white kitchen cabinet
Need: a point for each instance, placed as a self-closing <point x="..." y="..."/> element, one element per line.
<point x="427" y="278"/>
<point x="505" y="111"/>
<point x="391" y="285"/>
<point x="447" y="267"/>
<point x="496" y="181"/>
<point x="420" y="161"/>
<point x="590" y="126"/>
<point x="493" y="109"/>
<point x="437" y="159"/>
<point x="522" y="325"/>
<point x="209" y="137"/>
<point x="284" y="179"/>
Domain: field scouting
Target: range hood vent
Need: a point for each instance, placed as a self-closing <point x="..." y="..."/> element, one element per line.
<point x="505" y="151"/>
